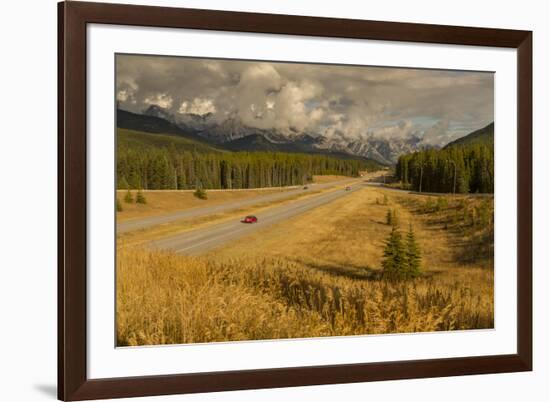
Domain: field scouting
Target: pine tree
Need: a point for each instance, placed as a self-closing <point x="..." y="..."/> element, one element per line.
<point x="413" y="257"/>
<point x="140" y="198"/>
<point x="429" y="205"/>
<point x="461" y="169"/>
<point x="394" y="256"/>
<point x="164" y="167"/>
<point x="128" y="197"/>
<point x="118" y="205"/>
<point x="441" y="204"/>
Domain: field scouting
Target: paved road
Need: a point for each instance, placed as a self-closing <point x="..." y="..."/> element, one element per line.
<point x="143" y="223"/>
<point x="202" y="240"/>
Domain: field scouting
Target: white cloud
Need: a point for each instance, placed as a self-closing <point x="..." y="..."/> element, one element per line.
<point x="400" y="129"/>
<point x="200" y="106"/>
<point x="439" y="134"/>
<point x="350" y="101"/>
<point x="126" y="90"/>
<point x="122" y="95"/>
<point x="163" y="100"/>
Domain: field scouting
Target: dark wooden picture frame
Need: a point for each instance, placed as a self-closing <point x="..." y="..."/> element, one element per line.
<point x="73" y="383"/>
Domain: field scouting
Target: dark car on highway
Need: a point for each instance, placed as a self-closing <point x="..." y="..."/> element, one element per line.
<point x="348" y="188"/>
<point x="249" y="219"/>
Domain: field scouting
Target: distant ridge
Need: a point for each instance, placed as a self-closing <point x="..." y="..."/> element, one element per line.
<point x="141" y="140"/>
<point x="151" y="124"/>
<point x="229" y="129"/>
<point x="484" y="135"/>
<point x="254" y="142"/>
<point x="303" y="144"/>
<point x="162" y="132"/>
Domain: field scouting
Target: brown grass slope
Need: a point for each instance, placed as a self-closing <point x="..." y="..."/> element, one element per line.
<point x="316" y="276"/>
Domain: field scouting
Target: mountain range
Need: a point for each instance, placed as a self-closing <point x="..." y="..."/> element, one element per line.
<point x="232" y="134"/>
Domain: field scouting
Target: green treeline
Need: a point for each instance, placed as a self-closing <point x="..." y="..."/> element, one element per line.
<point x="460" y="169"/>
<point x="171" y="168"/>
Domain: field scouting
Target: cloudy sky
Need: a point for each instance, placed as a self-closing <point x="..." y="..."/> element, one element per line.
<point x="345" y="101"/>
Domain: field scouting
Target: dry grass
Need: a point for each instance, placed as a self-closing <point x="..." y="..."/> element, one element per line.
<point x="462" y="225"/>
<point x="163" y="202"/>
<point x="164" y="299"/>
<point x="328" y="178"/>
<point x="316" y="275"/>
<point x="351" y="231"/>
<point x="166" y="201"/>
<point x="141" y="236"/>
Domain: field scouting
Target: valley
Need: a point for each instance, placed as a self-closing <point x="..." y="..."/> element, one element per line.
<point x="269" y="200"/>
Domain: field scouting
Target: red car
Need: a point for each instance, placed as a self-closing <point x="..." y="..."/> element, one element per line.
<point x="250" y="219"/>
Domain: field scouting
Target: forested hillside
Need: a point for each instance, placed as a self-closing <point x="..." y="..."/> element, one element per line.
<point x="150" y="124"/>
<point x="483" y="136"/>
<point x="164" y="162"/>
<point x="459" y="168"/>
<point x="143" y="141"/>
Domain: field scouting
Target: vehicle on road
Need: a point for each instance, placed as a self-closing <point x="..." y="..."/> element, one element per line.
<point x="348" y="188"/>
<point x="306" y="187"/>
<point x="249" y="219"/>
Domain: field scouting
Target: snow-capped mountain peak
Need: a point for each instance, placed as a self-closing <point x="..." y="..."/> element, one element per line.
<point x="384" y="150"/>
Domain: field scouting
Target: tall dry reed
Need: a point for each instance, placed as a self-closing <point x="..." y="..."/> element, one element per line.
<point x="163" y="299"/>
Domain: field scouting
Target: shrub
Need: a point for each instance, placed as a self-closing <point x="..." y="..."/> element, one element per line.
<point x="140" y="198"/>
<point x="200" y="193"/>
<point x="484" y="213"/>
<point x="118" y="205"/>
<point x="473" y="216"/>
<point x="429" y="205"/>
<point x="392" y="217"/>
<point x="441" y="203"/>
<point x="389" y="217"/>
<point x="395" y="218"/>
<point x="128" y="197"/>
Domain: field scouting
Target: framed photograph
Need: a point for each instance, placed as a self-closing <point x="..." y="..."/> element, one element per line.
<point x="254" y="200"/>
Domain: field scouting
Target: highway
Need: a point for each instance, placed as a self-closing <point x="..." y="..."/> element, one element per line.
<point x="199" y="241"/>
<point x="143" y="223"/>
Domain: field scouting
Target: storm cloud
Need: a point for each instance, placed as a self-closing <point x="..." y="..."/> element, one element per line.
<point x="345" y="101"/>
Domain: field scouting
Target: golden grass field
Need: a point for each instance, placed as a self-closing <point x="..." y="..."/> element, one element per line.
<point x="317" y="275"/>
<point x="142" y="236"/>
<point x="162" y="202"/>
<point x="166" y="201"/>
